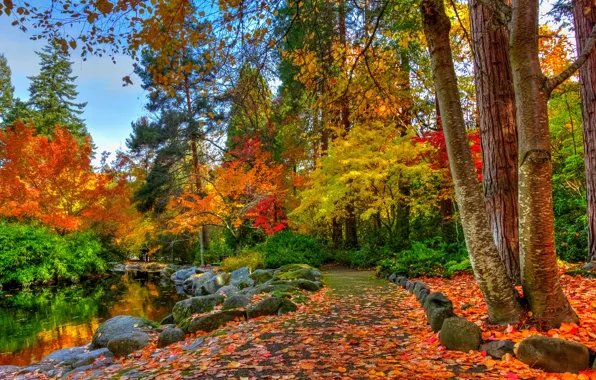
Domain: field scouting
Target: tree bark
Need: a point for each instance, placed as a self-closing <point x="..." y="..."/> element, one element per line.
<point x="584" y="13"/>
<point x="496" y="109"/>
<point x="539" y="272"/>
<point x="500" y="296"/>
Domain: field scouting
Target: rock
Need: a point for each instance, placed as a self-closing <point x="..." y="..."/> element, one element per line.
<point x="212" y="285"/>
<point x="419" y="285"/>
<point x="182" y="274"/>
<point x="311" y="286"/>
<point x="133" y="267"/>
<point x="228" y="291"/>
<point x="553" y="354"/>
<point x="193" y="346"/>
<point x="261" y="276"/>
<point x="214" y="321"/>
<point x="304" y="274"/>
<point x="89" y="357"/>
<point x="408" y="286"/>
<point x="116" y="327"/>
<point x="459" y="334"/>
<point x="128" y="343"/>
<point x="392" y="277"/>
<point x="246" y="283"/>
<point x="201" y="304"/>
<point x="270" y="306"/>
<point x="236" y="302"/>
<point x="422" y="293"/>
<point x="66" y="356"/>
<point x="6" y="370"/>
<point x="400" y="280"/>
<point x="240" y="278"/>
<point x="437" y="308"/>
<point x="168" y="270"/>
<point x="169" y="320"/>
<point x="169" y="336"/>
<point x="498" y="348"/>
<point x="250" y="292"/>
<point x="292" y="267"/>
<point x="194" y="283"/>
<point x="589" y="266"/>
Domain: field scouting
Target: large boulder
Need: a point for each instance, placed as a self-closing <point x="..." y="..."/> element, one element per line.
<point x="438" y="308"/>
<point x="498" y="348"/>
<point x="553" y="354"/>
<point x="169" y="336"/>
<point x="214" y="321"/>
<point x="201" y="304"/>
<point x="236" y="302"/>
<point x="212" y="285"/>
<point x="270" y="306"/>
<point x="292" y="267"/>
<point x="169" y="269"/>
<point x="459" y="334"/>
<point x="311" y="286"/>
<point x="128" y="343"/>
<point x="118" y="326"/>
<point x="261" y="276"/>
<point x="304" y="274"/>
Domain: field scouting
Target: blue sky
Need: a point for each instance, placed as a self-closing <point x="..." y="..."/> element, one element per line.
<point x="110" y="107"/>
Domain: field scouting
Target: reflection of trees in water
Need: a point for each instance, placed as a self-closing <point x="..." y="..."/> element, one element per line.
<point x="38" y="322"/>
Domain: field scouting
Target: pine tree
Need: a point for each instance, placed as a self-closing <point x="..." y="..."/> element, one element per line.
<point x="53" y="94"/>
<point x="6" y="88"/>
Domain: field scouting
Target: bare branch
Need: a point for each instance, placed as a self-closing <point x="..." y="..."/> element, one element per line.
<point x="552" y="83"/>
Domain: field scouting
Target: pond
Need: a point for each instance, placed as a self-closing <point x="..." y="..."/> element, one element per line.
<point x="36" y="323"/>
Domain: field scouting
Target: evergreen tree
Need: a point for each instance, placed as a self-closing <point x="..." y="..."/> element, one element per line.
<point x="53" y="94"/>
<point x="6" y="88"/>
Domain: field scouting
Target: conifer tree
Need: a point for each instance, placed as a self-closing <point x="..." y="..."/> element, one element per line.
<point x="6" y="88"/>
<point x="53" y="94"/>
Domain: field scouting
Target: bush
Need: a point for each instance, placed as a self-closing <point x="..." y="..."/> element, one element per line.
<point x="429" y="258"/>
<point x="287" y="247"/>
<point x="252" y="259"/>
<point x="30" y="254"/>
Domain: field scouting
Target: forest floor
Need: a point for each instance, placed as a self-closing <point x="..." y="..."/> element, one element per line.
<point x="358" y="327"/>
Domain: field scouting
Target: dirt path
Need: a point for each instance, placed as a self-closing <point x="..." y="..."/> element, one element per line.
<point x="360" y="327"/>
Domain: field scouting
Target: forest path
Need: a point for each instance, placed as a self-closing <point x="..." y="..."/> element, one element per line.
<point x="359" y="327"/>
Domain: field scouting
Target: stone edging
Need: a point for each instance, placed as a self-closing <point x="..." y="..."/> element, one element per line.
<point x="457" y="333"/>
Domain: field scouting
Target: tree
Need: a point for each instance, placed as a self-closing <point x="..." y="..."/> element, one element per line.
<point x="496" y="114"/>
<point x="53" y="94"/>
<point x="584" y="21"/>
<point x="500" y="296"/>
<point x="52" y="181"/>
<point x="6" y="88"/>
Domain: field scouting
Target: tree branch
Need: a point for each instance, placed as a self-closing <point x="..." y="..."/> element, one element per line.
<point x="552" y="83"/>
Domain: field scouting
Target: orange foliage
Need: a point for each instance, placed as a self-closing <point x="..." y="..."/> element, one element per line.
<point x="237" y="189"/>
<point x="52" y="181"/>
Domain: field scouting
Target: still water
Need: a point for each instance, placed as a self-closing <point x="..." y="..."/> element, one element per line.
<point x="36" y="323"/>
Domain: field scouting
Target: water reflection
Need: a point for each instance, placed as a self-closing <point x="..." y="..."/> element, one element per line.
<point x="35" y="323"/>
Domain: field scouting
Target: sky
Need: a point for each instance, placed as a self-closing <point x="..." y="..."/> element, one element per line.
<point x="110" y="106"/>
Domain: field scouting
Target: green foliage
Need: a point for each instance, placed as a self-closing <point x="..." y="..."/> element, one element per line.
<point x="6" y="88"/>
<point x="287" y="247"/>
<point x="429" y="258"/>
<point x="252" y="259"/>
<point x="30" y="254"/>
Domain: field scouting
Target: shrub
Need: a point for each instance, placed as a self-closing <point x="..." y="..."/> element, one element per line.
<point x="252" y="259"/>
<point x="30" y="254"/>
<point x="429" y="258"/>
<point x="287" y="247"/>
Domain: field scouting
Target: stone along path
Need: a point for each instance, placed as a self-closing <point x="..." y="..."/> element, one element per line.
<point x="359" y="327"/>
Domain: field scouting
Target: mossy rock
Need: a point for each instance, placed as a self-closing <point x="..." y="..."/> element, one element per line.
<point x="271" y="306"/>
<point x="201" y="304"/>
<point x="119" y="326"/>
<point x="293" y="267"/>
<point x="279" y="294"/>
<point x="298" y="274"/>
<point x="214" y="321"/>
<point x="261" y="276"/>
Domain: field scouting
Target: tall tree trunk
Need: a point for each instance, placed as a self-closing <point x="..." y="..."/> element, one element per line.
<point x="539" y="272"/>
<point x="336" y="233"/>
<point x="584" y="13"/>
<point x="500" y="296"/>
<point x="496" y="108"/>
